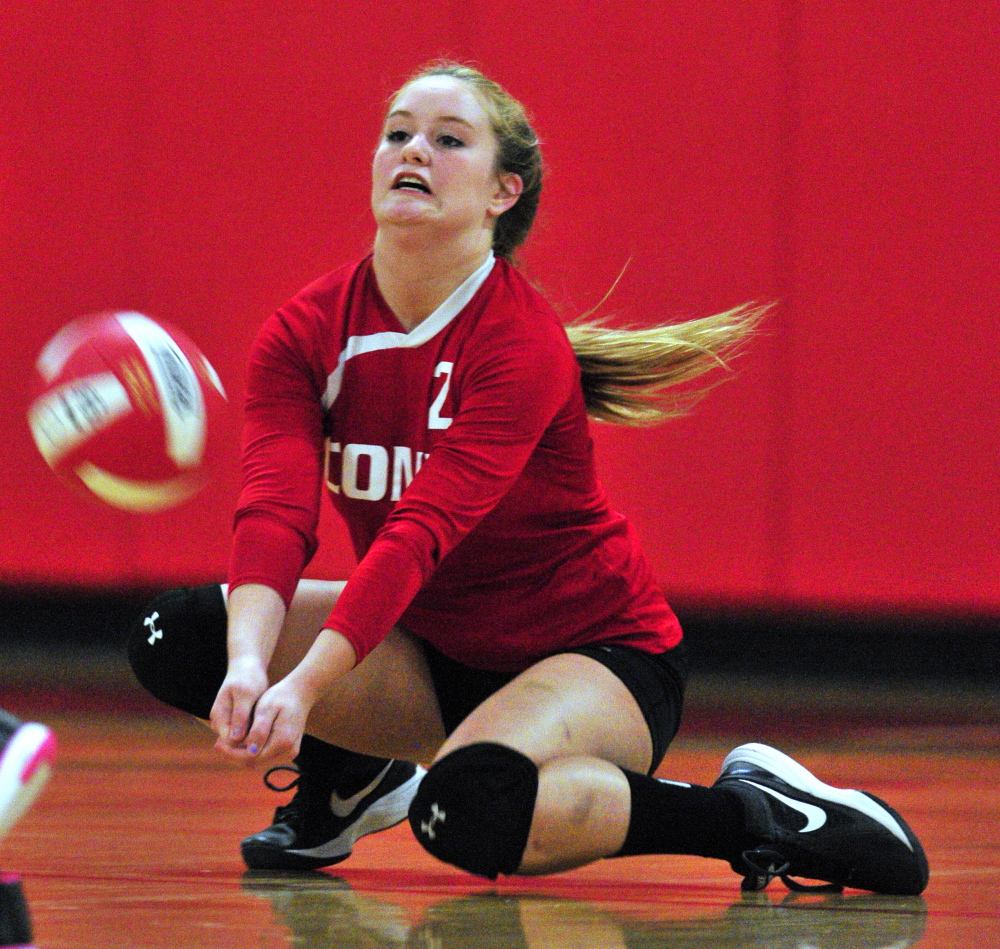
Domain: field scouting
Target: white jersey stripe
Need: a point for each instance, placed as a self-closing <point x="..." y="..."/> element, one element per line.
<point x="425" y="331"/>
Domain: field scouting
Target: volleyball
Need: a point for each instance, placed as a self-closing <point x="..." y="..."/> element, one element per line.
<point x="130" y="409"/>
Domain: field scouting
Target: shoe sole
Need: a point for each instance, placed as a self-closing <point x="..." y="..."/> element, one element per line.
<point x="25" y="766"/>
<point x="765" y="758"/>
<point x="386" y="812"/>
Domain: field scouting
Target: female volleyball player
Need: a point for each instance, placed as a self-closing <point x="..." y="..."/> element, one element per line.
<point x="502" y="625"/>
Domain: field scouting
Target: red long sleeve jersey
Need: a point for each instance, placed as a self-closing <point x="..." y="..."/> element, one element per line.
<point x="460" y="457"/>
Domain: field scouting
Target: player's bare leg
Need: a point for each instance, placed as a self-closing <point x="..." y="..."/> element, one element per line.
<point x="178" y="650"/>
<point x="580" y="725"/>
<point x="384" y="709"/>
<point x="551" y="773"/>
<point x="385" y="706"/>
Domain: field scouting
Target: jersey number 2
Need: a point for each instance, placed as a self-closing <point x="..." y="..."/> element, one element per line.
<point x="434" y="419"/>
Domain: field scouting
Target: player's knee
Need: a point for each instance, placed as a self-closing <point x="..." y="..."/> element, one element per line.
<point x="474" y="808"/>
<point x="177" y="647"/>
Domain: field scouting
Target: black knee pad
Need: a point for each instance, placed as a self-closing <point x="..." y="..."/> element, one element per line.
<point x="474" y="808"/>
<point x="177" y="647"/>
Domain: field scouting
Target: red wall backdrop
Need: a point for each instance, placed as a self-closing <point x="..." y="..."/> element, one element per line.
<point x="201" y="162"/>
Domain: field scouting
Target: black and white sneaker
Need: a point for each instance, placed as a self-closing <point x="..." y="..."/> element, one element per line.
<point x="318" y="828"/>
<point x="26" y="753"/>
<point x="801" y="827"/>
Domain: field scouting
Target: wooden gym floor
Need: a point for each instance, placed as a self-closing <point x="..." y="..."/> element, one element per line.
<point x="134" y="843"/>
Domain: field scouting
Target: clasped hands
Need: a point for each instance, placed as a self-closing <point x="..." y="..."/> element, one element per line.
<point x="255" y="722"/>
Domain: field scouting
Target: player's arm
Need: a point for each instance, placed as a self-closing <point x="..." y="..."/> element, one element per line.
<point x="256" y="613"/>
<point x="275" y="531"/>
<point x="279" y="720"/>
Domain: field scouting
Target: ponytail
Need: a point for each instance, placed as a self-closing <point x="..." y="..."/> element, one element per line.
<point x="628" y="374"/>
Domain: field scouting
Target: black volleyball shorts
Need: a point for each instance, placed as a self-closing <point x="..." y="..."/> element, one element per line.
<point x="656" y="681"/>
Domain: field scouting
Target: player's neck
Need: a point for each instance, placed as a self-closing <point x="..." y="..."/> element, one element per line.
<point x="416" y="277"/>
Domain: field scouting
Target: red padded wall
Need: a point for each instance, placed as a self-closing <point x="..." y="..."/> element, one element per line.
<point x="894" y="449"/>
<point x="202" y="162"/>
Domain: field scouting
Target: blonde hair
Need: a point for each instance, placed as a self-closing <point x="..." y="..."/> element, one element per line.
<point x="625" y="372"/>
<point x="628" y="374"/>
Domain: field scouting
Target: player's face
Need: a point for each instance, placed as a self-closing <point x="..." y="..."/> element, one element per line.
<point x="436" y="162"/>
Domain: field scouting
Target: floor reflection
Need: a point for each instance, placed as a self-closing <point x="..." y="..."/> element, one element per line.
<point x="321" y="911"/>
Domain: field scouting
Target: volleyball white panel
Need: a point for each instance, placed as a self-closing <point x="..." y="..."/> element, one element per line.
<point x="177" y="386"/>
<point x="57" y="350"/>
<point x="65" y="417"/>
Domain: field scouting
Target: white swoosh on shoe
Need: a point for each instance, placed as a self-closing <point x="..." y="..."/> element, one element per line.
<point x="344" y="807"/>
<point x="815" y="816"/>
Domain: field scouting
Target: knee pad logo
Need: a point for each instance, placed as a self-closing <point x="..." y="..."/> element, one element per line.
<point x="437" y="816"/>
<point x="154" y="633"/>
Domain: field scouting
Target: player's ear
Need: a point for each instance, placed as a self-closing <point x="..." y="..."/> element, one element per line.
<point x="509" y="188"/>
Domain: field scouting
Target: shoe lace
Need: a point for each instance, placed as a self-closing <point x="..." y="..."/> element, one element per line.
<point x="766" y="864"/>
<point x="282" y="767"/>
<point x="290" y="812"/>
